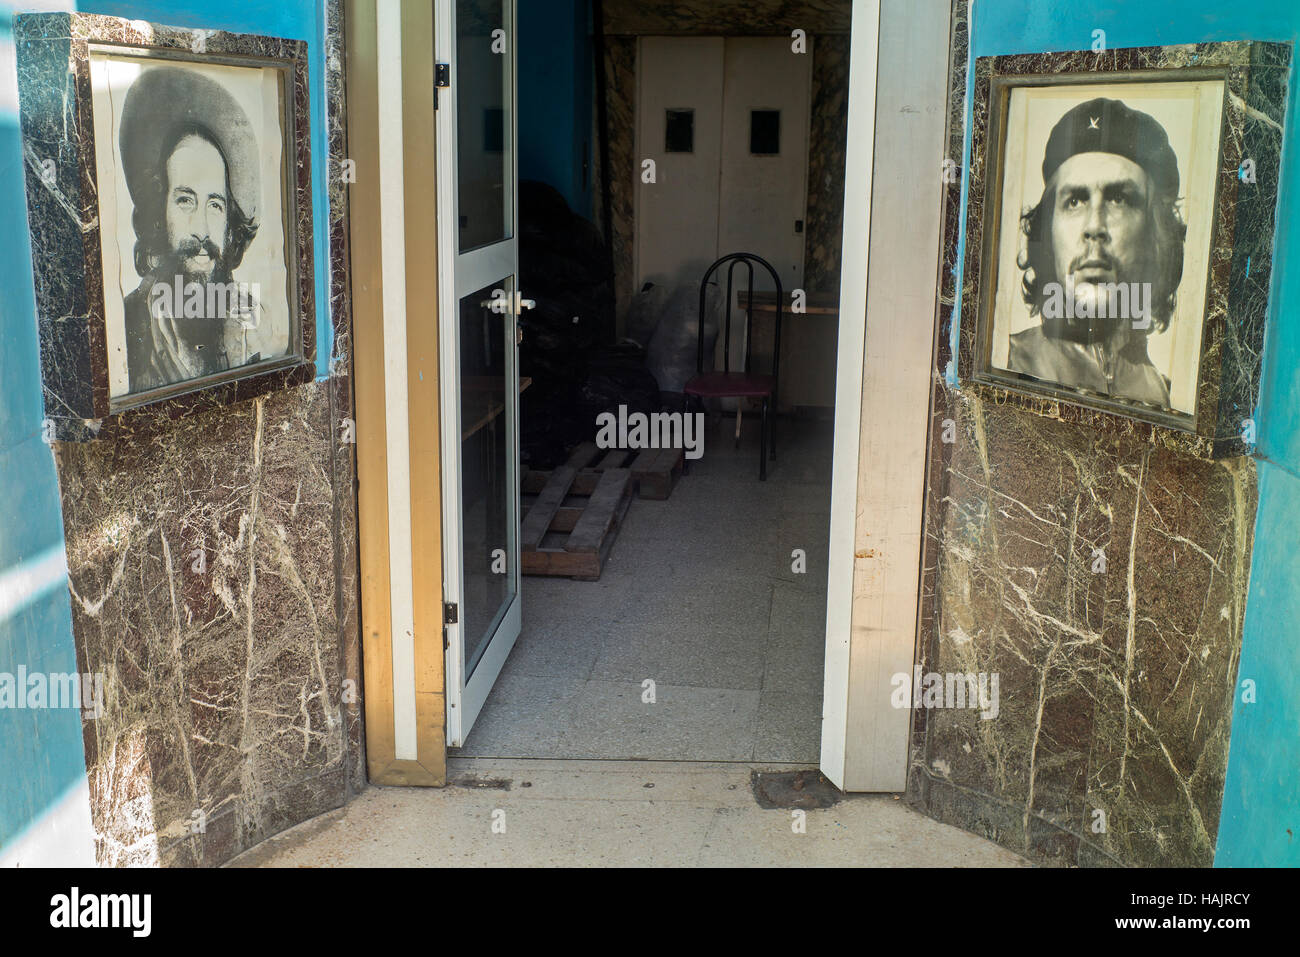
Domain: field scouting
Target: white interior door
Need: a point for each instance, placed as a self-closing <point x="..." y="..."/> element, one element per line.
<point x="679" y="129"/>
<point x="763" y="186"/>
<point x="478" y="319"/>
<point x="763" y="182"/>
<point x="726" y="123"/>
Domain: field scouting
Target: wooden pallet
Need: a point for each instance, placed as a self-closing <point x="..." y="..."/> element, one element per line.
<point x="655" y="471"/>
<point x="570" y="525"/>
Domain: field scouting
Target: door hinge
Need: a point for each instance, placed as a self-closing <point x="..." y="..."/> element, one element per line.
<point x="441" y="79"/>
<point x="450" y="615"/>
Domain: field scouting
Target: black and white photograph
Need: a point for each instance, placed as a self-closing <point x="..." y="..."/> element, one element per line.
<point x="192" y="223"/>
<point x="1105" y="221"/>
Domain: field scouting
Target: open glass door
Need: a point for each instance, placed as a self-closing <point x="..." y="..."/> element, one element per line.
<point x="478" y="316"/>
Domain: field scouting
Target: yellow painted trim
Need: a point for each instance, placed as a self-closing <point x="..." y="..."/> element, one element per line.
<point x="368" y="365"/>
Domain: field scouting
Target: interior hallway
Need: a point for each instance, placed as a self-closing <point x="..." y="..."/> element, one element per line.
<point x="615" y="814"/>
<point x="699" y="596"/>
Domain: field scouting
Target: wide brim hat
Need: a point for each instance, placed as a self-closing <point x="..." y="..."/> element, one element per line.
<point x="161" y="101"/>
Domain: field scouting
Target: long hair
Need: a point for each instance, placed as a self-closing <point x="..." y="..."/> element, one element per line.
<point x="1165" y="223"/>
<point x="149" y="216"/>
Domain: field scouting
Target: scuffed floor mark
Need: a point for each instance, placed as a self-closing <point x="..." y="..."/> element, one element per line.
<point x="794" y="789"/>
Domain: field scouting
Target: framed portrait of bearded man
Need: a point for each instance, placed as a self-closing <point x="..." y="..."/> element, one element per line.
<point x="193" y="170"/>
<point x="1109" y="238"/>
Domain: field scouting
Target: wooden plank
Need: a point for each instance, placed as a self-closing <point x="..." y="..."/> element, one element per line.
<point x="583" y="455"/>
<point x="599" y="515"/>
<point x="584" y="483"/>
<point x="646" y="462"/>
<point x="608" y="544"/>
<point x="657" y="471"/>
<point x="538" y="519"/>
<point x="612" y="459"/>
<point x="566" y="519"/>
<point x="559" y="563"/>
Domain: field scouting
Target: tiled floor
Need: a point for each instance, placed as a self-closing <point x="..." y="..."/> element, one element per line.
<point x="698" y="596"/>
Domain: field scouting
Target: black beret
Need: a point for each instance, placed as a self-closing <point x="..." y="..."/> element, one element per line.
<point x="1108" y="126"/>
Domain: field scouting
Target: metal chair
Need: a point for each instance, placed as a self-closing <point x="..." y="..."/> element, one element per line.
<point x="744" y="384"/>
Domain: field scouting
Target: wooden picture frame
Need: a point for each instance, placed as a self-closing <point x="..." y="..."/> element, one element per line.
<point x="168" y="176"/>
<point x="1198" y="129"/>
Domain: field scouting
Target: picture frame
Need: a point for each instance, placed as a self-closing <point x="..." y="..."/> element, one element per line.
<point x="1119" y="233"/>
<point x="168" y="181"/>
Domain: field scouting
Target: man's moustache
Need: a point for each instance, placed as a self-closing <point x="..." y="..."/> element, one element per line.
<point x="192" y="247"/>
<point x="1092" y="262"/>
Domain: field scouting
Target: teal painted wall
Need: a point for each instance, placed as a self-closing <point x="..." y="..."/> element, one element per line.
<point x="555" y="97"/>
<point x="1260" y="820"/>
<point x="41" y="752"/>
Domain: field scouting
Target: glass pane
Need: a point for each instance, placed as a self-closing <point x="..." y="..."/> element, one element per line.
<point x="484" y="146"/>
<point x="679" y="137"/>
<point x="487" y="422"/>
<point x="765" y="132"/>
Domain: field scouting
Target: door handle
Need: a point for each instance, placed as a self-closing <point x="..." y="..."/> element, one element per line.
<point x="501" y="304"/>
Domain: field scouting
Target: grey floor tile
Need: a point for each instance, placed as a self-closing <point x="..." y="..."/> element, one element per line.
<point x="524" y="716"/>
<point x="683" y="724"/>
<point x="691" y="656"/>
<point x="567" y="648"/>
<point x="789" y="727"/>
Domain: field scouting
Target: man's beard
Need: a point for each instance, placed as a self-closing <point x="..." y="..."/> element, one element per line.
<point x="1086" y="329"/>
<point x="204" y="333"/>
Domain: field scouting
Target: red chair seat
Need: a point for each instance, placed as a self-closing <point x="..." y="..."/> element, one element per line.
<point x="723" y="384"/>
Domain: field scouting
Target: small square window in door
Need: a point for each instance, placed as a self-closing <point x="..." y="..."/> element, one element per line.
<point x="765" y="132"/>
<point x="679" y="131"/>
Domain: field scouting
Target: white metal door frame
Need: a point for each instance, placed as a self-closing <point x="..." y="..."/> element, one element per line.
<point x="898" y="96"/>
<point x="459" y="275"/>
<point x="864" y="53"/>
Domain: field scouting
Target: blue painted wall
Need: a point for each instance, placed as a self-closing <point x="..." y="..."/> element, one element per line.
<point x="555" y="97"/>
<point x="41" y="753"/>
<point x="1260" y="820"/>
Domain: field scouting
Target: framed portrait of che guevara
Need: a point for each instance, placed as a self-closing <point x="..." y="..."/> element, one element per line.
<point x="169" y="195"/>
<point x="1123" y="199"/>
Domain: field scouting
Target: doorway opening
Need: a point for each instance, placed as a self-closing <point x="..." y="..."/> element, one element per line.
<point x="652" y="141"/>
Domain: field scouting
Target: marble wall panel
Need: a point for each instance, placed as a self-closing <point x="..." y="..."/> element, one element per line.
<point x="1103" y="580"/>
<point x="1116" y="678"/>
<point x="203" y="570"/>
<point x="342" y="423"/>
<point x="827" y="142"/>
<point x="620" y="100"/>
<point x="213" y="568"/>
